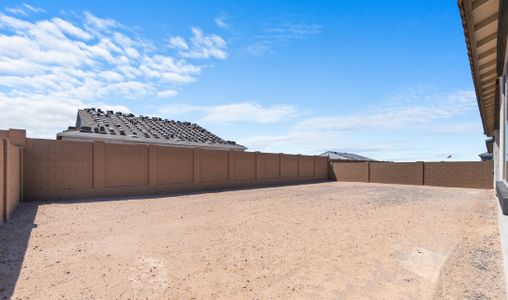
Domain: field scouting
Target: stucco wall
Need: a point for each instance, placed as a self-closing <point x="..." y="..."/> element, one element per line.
<point x="98" y="169"/>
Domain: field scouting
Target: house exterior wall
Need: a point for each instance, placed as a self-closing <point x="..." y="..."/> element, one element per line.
<point x="56" y="169"/>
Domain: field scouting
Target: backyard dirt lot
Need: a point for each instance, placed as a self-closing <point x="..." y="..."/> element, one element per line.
<point x="326" y="240"/>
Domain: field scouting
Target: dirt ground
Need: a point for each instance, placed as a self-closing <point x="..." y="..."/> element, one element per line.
<point x="327" y="240"/>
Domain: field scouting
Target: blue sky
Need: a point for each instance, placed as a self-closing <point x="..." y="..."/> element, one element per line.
<point x="389" y="80"/>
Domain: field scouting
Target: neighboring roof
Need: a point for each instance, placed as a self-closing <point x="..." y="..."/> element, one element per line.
<point x="486" y="156"/>
<point x="345" y="156"/>
<point x="95" y="124"/>
<point x="484" y="26"/>
<point x="489" y="144"/>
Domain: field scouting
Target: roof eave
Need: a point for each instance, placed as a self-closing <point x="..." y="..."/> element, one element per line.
<point x="465" y="26"/>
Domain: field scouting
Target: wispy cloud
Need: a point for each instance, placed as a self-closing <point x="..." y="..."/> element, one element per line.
<point x="276" y="35"/>
<point x="24" y="10"/>
<point x="407" y="109"/>
<point x="220" y="21"/>
<point x="50" y="66"/>
<point x="413" y="110"/>
<point x="241" y="112"/>
<point x="200" y="46"/>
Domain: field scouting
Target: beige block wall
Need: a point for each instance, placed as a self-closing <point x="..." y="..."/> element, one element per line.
<point x="3" y="212"/>
<point x="397" y="173"/>
<point x="11" y="160"/>
<point x="97" y="169"/>
<point x="351" y="171"/>
<point x="56" y="165"/>
<point x="13" y="186"/>
<point x="306" y="166"/>
<point x="460" y="174"/>
<point x="322" y="165"/>
<point x="16" y="137"/>
<point x="243" y="166"/>
<point x="289" y="166"/>
<point x="126" y="165"/>
<point x="175" y="165"/>
<point x="268" y="166"/>
<point x="213" y="165"/>
<point x="446" y="174"/>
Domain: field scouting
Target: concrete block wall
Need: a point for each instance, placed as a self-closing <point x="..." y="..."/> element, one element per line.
<point x="3" y="211"/>
<point x="460" y="174"/>
<point x="55" y="169"/>
<point x="13" y="176"/>
<point x="446" y="174"/>
<point x="11" y="185"/>
<point x="398" y="173"/>
<point x="350" y="171"/>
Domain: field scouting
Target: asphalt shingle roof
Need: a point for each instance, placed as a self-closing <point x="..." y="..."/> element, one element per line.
<point x="119" y="126"/>
<point x="345" y="156"/>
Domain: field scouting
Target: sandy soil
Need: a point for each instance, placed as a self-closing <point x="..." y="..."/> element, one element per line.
<point x="329" y="240"/>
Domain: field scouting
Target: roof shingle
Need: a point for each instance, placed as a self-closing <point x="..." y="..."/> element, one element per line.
<point x="94" y="123"/>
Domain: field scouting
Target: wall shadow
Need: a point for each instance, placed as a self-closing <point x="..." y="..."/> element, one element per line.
<point x="183" y="193"/>
<point x="14" y="236"/>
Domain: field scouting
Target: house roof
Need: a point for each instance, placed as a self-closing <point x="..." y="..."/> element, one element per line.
<point x="485" y="26"/>
<point x="345" y="156"/>
<point x="486" y="156"/>
<point x="96" y="124"/>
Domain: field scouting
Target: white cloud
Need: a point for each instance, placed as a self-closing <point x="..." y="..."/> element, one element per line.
<point x="242" y="112"/>
<point x="275" y="35"/>
<point x="99" y="23"/>
<point x="69" y="28"/>
<point x="200" y="46"/>
<point x="178" y="43"/>
<point x="402" y="111"/>
<point x="221" y="22"/>
<point x="24" y="10"/>
<point x="414" y="111"/>
<point x="50" y="67"/>
<point x="167" y="94"/>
